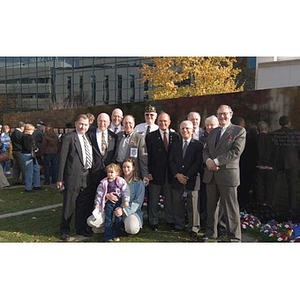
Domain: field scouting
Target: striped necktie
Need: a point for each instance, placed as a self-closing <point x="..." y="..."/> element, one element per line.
<point x="103" y="144"/>
<point x="88" y="155"/>
<point x="165" y="141"/>
<point x="148" y="130"/>
<point x="185" y="144"/>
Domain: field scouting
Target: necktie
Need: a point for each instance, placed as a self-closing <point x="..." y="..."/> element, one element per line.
<point x="88" y="155"/>
<point x="218" y="136"/>
<point x="185" y="144"/>
<point x="103" y="144"/>
<point x="116" y="129"/>
<point x="165" y="141"/>
<point x="148" y="130"/>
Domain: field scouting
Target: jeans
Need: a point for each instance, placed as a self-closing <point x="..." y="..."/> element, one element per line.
<point x="32" y="171"/>
<point x="112" y="229"/>
<point x="6" y="164"/>
<point x="50" y="163"/>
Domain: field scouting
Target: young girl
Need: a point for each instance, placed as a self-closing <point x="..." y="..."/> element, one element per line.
<point x="109" y="195"/>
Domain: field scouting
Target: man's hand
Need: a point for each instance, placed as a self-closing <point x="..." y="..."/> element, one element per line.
<point x="211" y="165"/>
<point x="181" y="178"/>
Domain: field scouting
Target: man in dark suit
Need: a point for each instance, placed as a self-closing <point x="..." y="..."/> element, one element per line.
<point x="104" y="144"/>
<point x="221" y="154"/>
<point x="185" y="160"/>
<point x="18" y="166"/>
<point x="159" y="144"/>
<point x="74" y="164"/>
<point x="287" y="164"/>
<point x="131" y="144"/>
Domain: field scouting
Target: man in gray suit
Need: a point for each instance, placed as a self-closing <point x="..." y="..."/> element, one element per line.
<point x="221" y="154"/>
<point x="132" y="144"/>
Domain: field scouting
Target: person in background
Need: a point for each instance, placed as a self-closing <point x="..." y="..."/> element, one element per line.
<point x="49" y="152"/>
<point x="116" y="121"/>
<point x="91" y="121"/>
<point x="198" y="132"/>
<point x="149" y="125"/>
<point x="28" y="153"/>
<point x="132" y="215"/>
<point x="3" y="180"/>
<point x="5" y="139"/>
<point x="0" y="128"/>
<point x="287" y="164"/>
<point x="18" y="166"/>
<point x="266" y="156"/>
<point x="38" y="138"/>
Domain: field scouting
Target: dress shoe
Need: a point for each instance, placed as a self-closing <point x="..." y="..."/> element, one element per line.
<point x="171" y="226"/>
<point x="85" y="233"/>
<point x="203" y="239"/>
<point x="28" y="191"/>
<point x="153" y="227"/>
<point x="65" y="237"/>
<point x="38" y="188"/>
<point x="176" y="230"/>
<point x="193" y="234"/>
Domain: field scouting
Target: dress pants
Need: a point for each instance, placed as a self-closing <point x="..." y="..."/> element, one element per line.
<point x="228" y="197"/>
<point x="154" y="191"/>
<point x="193" y="211"/>
<point x="18" y="168"/>
<point x="179" y="204"/>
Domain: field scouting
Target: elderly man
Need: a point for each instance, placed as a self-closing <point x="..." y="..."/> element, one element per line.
<point x="132" y="145"/>
<point x="221" y="154"/>
<point x="104" y="144"/>
<point x="185" y="160"/>
<point x="198" y="132"/>
<point x="116" y="121"/>
<point x="159" y="144"/>
<point x="75" y="160"/>
<point x="149" y="125"/>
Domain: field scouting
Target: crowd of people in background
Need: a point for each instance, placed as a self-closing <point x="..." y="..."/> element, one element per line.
<point x="206" y="176"/>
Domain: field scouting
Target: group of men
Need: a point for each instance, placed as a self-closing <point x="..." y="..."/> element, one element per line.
<point x="196" y="170"/>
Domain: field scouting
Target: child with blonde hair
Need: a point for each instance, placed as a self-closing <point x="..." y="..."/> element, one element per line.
<point x="111" y="192"/>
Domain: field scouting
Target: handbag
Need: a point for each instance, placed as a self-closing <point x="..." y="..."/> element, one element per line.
<point x="3" y="157"/>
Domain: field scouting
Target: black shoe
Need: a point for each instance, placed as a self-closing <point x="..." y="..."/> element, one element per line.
<point x="193" y="234"/>
<point x="37" y="188"/>
<point x="202" y="239"/>
<point x="85" y="233"/>
<point x="153" y="227"/>
<point x="176" y="230"/>
<point x="28" y="191"/>
<point x="171" y="226"/>
<point x="65" y="237"/>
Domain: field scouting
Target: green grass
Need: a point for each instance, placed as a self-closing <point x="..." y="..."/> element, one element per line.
<point x="15" y="199"/>
<point x="43" y="226"/>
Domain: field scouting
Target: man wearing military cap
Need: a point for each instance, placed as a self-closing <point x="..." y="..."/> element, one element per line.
<point x="149" y="125"/>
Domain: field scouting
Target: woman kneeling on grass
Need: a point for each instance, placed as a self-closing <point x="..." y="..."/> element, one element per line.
<point x="132" y="215"/>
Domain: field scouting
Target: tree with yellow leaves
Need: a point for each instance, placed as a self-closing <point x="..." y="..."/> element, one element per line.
<point x="174" y="77"/>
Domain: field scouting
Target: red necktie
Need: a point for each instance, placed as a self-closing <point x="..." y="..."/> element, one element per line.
<point x="165" y="141"/>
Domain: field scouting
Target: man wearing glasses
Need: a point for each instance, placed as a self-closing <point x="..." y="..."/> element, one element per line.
<point x="221" y="155"/>
<point x="149" y="125"/>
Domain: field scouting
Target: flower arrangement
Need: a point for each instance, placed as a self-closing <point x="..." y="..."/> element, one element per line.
<point x="273" y="230"/>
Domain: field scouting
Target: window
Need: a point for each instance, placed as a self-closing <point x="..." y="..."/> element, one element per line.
<point x="106" y="89"/>
<point x="132" y="87"/>
<point x="93" y="88"/>
<point x="119" y="88"/>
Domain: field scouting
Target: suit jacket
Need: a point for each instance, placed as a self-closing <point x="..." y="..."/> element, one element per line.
<point x="137" y="141"/>
<point x="189" y="165"/>
<point x="98" y="172"/>
<point x="288" y="148"/>
<point x="158" y="157"/>
<point x="228" y="151"/>
<point x="70" y="162"/>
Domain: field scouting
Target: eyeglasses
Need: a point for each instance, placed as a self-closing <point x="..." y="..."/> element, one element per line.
<point x="151" y="115"/>
<point x="223" y="114"/>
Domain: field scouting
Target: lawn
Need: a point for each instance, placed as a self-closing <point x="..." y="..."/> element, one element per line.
<point x="43" y="226"/>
